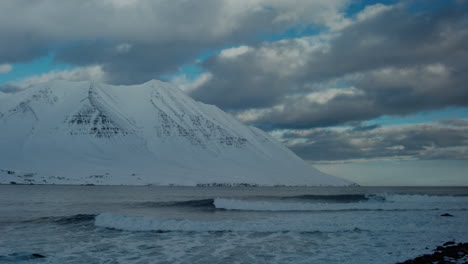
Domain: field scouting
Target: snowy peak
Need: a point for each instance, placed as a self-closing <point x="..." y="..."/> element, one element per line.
<point x="143" y="134"/>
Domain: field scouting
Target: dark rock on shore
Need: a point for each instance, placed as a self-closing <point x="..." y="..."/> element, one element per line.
<point x="449" y="253"/>
<point x="36" y="255"/>
<point x="446" y="214"/>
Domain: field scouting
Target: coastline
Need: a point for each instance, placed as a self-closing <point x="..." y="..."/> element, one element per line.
<point x="449" y="253"/>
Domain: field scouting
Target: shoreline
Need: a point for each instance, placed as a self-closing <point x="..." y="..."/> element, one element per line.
<point x="449" y="253"/>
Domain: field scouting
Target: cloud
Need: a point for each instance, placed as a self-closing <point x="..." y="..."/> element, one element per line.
<point x="234" y="52"/>
<point x="79" y="74"/>
<point x="386" y="60"/>
<point x="455" y="122"/>
<point x="388" y="91"/>
<point x="9" y="88"/>
<point x="123" y="48"/>
<point x="383" y="60"/>
<point x="5" y="68"/>
<point x="187" y="85"/>
<point x="402" y="142"/>
<point x="134" y="27"/>
<point x="130" y="63"/>
<point x="322" y="108"/>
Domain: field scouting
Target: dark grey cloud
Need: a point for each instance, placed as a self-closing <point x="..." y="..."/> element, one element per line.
<point x="421" y="141"/>
<point x="365" y="127"/>
<point x="21" y="47"/>
<point x="382" y="92"/>
<point x="397" y="38"/>
<point x="387" y="60"/>
<point x="129" y="63"/>
<point x="9" y="88"/>
<point x="240" y="85"/>
<point x="455" y="122"/>
<point x="163" y="34"/>
<point x="397" y="62"/>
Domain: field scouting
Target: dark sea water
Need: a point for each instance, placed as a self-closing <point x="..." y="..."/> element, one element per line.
<point x="123" y="224"/>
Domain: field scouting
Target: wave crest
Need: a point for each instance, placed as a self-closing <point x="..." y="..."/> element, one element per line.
<point x="372" y="202"/>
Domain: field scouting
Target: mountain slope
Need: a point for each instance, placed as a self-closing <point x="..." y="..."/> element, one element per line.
<point x="90" y="133"/>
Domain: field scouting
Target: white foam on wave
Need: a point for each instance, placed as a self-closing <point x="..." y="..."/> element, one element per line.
<point x="345" y="221"/>
<point x="375" y="202"/>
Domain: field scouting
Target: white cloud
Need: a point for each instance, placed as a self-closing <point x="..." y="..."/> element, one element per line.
<point x="373" y="11"/>
<point x="368" y="12"/>
<point x="123" y="48"/>
<point x="397" y="147"/>
<point x="285" y="58"/>
<point x="252" y="115"/>
<point x="5" y="68"/>
<point x="234" y="52"/>
<point x="185" y="84"/>
<point x="311" y="11"/>
<point x="425" y="77"/>
<point x="79" y="74"/>
<point x="161" y="21"/>
<point x="323" y="97"/>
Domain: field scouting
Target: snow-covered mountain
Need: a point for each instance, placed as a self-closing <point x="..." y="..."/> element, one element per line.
<point x="89" y="133"/>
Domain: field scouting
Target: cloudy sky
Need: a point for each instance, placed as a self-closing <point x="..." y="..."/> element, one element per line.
<point x="373" y="91"/>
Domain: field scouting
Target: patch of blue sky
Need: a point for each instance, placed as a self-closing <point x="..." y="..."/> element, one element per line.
<point x="206" y="54"/>
<point x="39" y="66"/>
<point x="421" y="117"/>
<point x="293" y="32"/>
<point x="418" y="6"/>
<point x="357" y="6"/>
<point x="414" y="6"/>
<point x="191" y="72"/>
<point x="304" y="30"/>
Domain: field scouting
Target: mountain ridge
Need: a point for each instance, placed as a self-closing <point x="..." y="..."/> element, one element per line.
<point x="92" y="133"/>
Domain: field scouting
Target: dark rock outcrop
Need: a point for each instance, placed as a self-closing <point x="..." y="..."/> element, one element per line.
<point x="446" y="214"/>
<point x="447" y="254"/>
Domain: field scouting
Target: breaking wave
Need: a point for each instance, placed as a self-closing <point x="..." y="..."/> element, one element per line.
<point x="371" y="202"/>
<point x="385" y="201"/>
<point x="348" y="221"/>
<point x="305" y="217"/>
<point x="343" y="198"/>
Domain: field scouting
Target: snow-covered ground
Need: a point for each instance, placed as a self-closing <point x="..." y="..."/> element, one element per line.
<point x="89" y="133"/>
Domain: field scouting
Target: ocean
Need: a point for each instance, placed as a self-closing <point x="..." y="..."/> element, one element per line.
<point x="149" y="224"/>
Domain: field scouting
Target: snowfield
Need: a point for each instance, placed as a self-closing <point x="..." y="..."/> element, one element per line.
<point x="90" y="133"/>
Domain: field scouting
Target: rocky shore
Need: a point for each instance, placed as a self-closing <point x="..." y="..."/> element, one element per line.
<point x="449" y="253"/>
